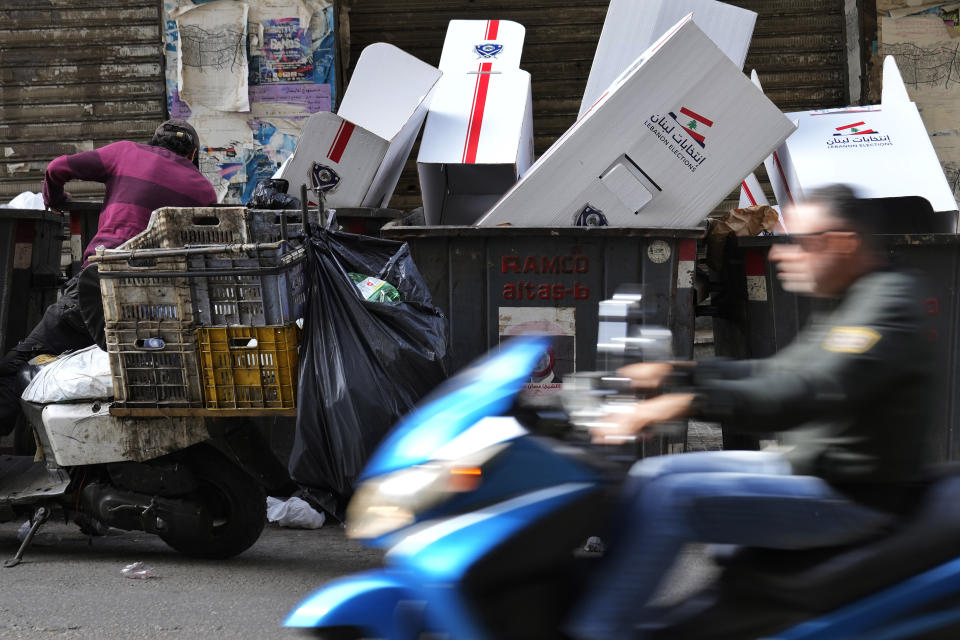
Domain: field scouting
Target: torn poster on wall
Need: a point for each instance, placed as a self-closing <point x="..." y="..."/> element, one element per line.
<point x="212" y="61"/>
<point x="924" y="45"/>
<point x="285" y="52"/>
<point x="288" y="53"/>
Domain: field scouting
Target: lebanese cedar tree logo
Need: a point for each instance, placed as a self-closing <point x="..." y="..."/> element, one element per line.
<point x="694" y="124"/>
<point x="856" y="129"/>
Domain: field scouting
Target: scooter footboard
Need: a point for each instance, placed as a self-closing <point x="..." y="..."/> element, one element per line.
<point x="366" y="601"/>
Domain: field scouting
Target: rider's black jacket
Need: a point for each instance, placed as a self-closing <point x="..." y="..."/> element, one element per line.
<point x="856" y="393"/>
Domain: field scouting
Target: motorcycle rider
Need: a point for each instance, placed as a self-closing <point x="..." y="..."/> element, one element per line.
<point x="138" y="178"/>
<point x="854" y="394"/>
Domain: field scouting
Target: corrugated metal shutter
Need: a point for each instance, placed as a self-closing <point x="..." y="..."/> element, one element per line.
<point x="75" y="75"/>
<point x="798" y="49"/>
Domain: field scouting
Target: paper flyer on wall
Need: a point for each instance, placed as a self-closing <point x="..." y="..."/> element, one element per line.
<point x="212" y="61"/>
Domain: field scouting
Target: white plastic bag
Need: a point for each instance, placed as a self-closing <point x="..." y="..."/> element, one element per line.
<point x="293" y="513"/>
<point x="26" y="200"/>
<point x="80" y="375"/>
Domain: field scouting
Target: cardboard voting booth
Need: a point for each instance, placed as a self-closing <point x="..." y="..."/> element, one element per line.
<point x="355" y="156"/>
<point x="667" y="141"/>
<point x="631" y="26"/>
<point x="882" y="151"/>
<point x="478" y="138"/>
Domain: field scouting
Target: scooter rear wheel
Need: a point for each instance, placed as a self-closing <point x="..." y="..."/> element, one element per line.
<point x="235" y="500"/>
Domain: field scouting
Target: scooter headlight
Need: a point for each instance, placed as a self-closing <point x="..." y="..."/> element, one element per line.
<point x="391" y="502"/>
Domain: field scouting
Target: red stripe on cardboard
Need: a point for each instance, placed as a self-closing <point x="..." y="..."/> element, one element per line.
<point x="776" y="161"/>
<point x="749" y="193"/>
<point x="476" y="114"/>
<point x="849" y="126"/>
<point x="340" y="142"/>
<point x="473" y="105"/>
<point x="493" y="26"/>
<point x="335" y="138"/>
<point x="754" y="263"/>
<point x="696" y="116"/>
<point x="687" y="249"/>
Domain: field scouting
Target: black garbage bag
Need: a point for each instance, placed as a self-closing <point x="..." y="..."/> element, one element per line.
<point x="363" y="364"/>
<point x="271" y="193"/>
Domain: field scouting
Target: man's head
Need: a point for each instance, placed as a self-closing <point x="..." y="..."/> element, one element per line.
<point x="831" y="245"/>
<point x="178" y="136"/>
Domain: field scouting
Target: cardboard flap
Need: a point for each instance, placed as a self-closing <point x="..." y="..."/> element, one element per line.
<point x="385" y="75"/>
<point x="751" y="193"/>
<point x="662" y="147"/>
<point x="470" y="43"/>
<point x="631" y="26"/>
<point x="894" y="92"/>
<point x="344" y="157"/>
<point x="881" y="151"/>
<point x="476" y="119"/>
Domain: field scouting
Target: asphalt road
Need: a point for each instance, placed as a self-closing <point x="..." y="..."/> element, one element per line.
<point x="72" y="587"/>
<point x="75" y="589"/>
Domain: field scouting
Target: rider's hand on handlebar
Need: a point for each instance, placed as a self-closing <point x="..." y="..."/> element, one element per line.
<point x="627" y="425"/>
<point x="648" y="376"/>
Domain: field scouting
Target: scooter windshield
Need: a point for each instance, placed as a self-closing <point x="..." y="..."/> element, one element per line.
<point x="485" y="388"/>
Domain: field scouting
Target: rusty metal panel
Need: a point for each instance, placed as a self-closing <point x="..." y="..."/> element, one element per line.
<point x="798" y="48"/>
<point x="75" y="75"/>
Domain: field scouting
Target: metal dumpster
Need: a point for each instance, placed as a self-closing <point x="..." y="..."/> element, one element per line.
<point x="30" y="243"/>
<point x="756" y="317"/>
<point x="496" y="282"/>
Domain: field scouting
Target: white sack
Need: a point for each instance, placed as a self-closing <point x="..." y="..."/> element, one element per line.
<point x="81" y="375"/>
<point x="293" y="513"/>
<point x="27" y="200"/>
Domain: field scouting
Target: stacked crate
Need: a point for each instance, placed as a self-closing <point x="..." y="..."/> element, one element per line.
<point x="200" y="309"/>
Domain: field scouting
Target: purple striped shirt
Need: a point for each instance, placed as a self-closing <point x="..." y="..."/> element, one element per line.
<point x="139" y="178"/>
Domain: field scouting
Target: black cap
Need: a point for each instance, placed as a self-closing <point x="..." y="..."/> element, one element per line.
<point x="180" y="128"/>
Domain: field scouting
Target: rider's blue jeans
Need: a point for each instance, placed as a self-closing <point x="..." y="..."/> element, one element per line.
<point x="728" y="497"/>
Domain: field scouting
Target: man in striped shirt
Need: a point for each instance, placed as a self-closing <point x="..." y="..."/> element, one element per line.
<point x="139" y="178"/>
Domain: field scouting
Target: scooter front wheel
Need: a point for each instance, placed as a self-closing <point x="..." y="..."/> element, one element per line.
<point x="235" y="501"/>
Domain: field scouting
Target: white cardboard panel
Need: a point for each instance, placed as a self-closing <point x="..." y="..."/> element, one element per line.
<point x="477" y="119"/>
<point x="386" y="76"/>
<point x="882" y="151"/>
<point x="478" y="137"/>
<point x="893" y="90"/>
<point x="364" y="145"/>
<point x="751" y="193"/>
<point x="631" y="26"/>
<point x="470" y="43"/>
<point x="351" y="153"/>
<point x="689" y="168"/>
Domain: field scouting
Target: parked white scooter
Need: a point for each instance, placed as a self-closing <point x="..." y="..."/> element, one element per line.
<point x="163" y="475"/>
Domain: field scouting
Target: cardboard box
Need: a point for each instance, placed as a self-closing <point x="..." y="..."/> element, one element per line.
<point x="355" y="156"/>
<point x="883" y="151"/>
<point x="631" y="26"/>
<point x="662" y="147"/>
<point x="478" y="138"/>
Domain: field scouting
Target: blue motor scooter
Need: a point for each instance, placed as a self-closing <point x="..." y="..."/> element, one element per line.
<point x="484" y="523"/>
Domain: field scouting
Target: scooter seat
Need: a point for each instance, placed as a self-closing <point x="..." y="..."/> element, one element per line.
<point x="822" y="579"/>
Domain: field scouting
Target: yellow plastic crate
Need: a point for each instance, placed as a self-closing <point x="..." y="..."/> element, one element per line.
<point x="249" y="367"/>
